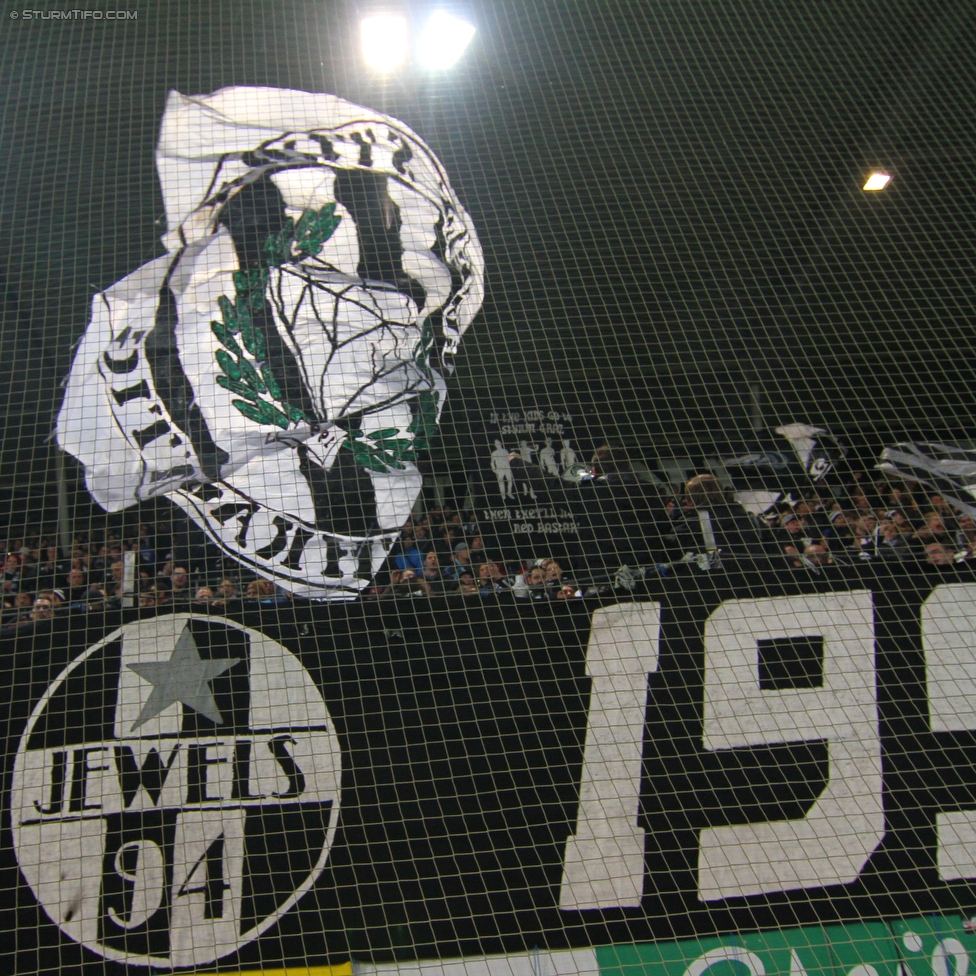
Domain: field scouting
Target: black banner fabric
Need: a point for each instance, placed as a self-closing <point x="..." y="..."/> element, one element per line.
<point x="422" y="778"/>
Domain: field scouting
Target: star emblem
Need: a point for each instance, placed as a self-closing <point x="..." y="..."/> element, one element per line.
<point x="184" y="678"/>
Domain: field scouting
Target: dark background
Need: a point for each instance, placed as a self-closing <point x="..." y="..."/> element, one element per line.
<point x="668" y="195"/>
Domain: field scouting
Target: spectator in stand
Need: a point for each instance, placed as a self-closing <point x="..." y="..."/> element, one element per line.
<point x="729" y="529"/>
<point x="467" y="585"/>
<point x="939" y="554"/>
<point x="147" y="548"/>
<point x="477" y="550"/>
<point x="841" y="533"/>
<point x="379" y="590"/>
<point x="202" y="598"/>
<point x="555" y="577"/>
<point x="51" y="568"/>
<point x="54" y="597"/>
<point x="492" y="580"/>
<point x="866" y="536"/>
<point x="461" y="562"/>
<point x="434" y="576"/>
<point x="939" y="504"/>
<point x="819" y="554"/>
<point x="965" y="533"/>
<point x="898" y="518"/>
<point x="405" y="582"/>
<point x="422" y="534"/>
<point x="912" y="512"/>
<point x="410" y="555"/>
<point x="11" y="572"/>
<point x="19" y="606"/>
<point x="115" y="573"/>
<point x="180" y="581"/>
<point x="535" y="585"/>
<point x="264" y="592"/>
<point x="162" y="592"/>
<point x="935" y="530"/>
<point x="28" y="570"/>
<point x="795" y="533"/>
<point x="113" y="596"/>
<point x="226" y="597"/>
<point x="76" y="591"/>
<point x="43" y="608"/>
<point x="892" y="542"/>
<point x="813" y="557"/>
<point x="95" y="599"/>
<point x="448" y="539"/>
<point x="483" y="576"/>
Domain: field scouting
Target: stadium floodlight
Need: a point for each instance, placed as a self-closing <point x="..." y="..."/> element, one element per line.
<point x="877" y="181"/>
<point x="384" y="40"/>
<point x="443" y="40"/>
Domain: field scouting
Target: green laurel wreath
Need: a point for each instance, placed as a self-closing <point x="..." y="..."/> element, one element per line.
<point x="247" y="373"/>
<point x="250" y="376"/>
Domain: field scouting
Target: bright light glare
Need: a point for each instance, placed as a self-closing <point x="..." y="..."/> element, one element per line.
<point x="443" y="41"/>
<point x="384" y="41"/>
<point x="877" y="181"/>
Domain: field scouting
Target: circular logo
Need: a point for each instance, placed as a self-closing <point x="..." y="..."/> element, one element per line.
<point x="176" y="791"/>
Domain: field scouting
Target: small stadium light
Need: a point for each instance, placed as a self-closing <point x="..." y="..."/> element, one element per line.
<point x="384" y="40"/>
<point x="877" y="181"/>
<point x="443" y="40"/>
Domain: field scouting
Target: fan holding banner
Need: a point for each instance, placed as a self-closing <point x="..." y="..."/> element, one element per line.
<point x="276" y="372"/>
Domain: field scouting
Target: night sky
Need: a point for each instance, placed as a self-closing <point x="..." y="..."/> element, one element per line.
<point x="668" y="195"/>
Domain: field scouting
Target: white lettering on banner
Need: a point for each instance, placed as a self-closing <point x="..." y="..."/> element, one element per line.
<point x="946" y="950"/>
<point x="604" y="863"/>
<point x="834" y="840"/>
<point x="750" y="960"/>
<point x="949" y="641"/>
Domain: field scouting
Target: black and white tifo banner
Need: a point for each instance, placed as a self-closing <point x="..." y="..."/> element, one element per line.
<point x="404" y="778"/>
<point x="516" y="521"/>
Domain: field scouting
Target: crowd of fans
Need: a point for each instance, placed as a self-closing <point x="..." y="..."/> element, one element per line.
<point x="443" y="552"/>
<point x="874" y="521"/>
<point x="39" y="582"/>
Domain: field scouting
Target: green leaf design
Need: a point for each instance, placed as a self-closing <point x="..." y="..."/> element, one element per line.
<point x="315" y="228"/>
<point x="294" y="242"/>
<point x="228" y="364"/>
<point x="249" y="286"/>
<point x="380" y="451"/>
<point x="246" y="371"/>
<point x="424" y="423"/>
<point x="269" y="378"/>
<point x="225" y="337"/>
<point x="229" y="313"/>
<point x="277" y="248"/>
<point x="250" y="376"/>
<point x="236" y="386"/>
<point x="262" y="413"/>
